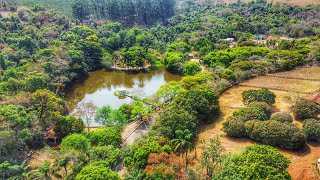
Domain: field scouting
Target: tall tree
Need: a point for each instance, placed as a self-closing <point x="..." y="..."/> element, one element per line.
<point x="183" y="142"/>
<point x="80" y="9"/>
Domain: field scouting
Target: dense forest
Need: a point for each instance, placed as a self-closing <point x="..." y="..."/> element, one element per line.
<point x="43" y="53"/>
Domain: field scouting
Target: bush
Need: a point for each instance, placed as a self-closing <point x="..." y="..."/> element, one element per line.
<point x="283" y="117"/>
<point x="250" y="113"/>
<point x="312" y="129"/>
<point x="97" y="172"/>
<point x="243" y="65"/>
<point x="191" y="68"/>
<point x="256" y="162"/>
<point x="305" y="109"/>
<point x="228" y="74"/>
<point x="68" y="125"/>
<point x="104" y="136"/>
<point x="276" y="134"/>
<point x="261" y="95"/>
<point x="75" y="141"/>
<point x="263" y="106"/>
<point x="234" y="127"/>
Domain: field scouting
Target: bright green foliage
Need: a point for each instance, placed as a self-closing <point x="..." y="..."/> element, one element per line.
<point x="183" y="140"/>
<point x="226" y="57"/>
<point x="68" y="125"/>
<point x="8" y="170"/>
<point x="189" y="82"/>
<point x="261" y="95"/>
<point x="169" y="90"/>
<point x="104" y="136"/>
<point x="283" y="117"/>
<point x="136" y="56"/>
<point x="75" y="141"/>
<point x="191" y="68"/>
<point x="287" y="59"/>
<point x="139" y="109"/>
<point x="179" y="47"/>
<point x="173" y="119"/>
<point x="250" y="113"/>
<point x="103" y="115"/>
<point x="109" y="154"/>
<point x="211" y="154"/>
<point x="94" y="172"/>
<point x="305" y="109"/>
<point x="312" y="129"/>
<point x="228" y="74"/>
<point x="16" y="116"/>
<point x="173" y="61"/>
<point x="42" y="171"/>
<point x="136" y="155"/>
<point x="256" y="162"/>
<point x="187" y="110"/>
<point x="46" y="105"/>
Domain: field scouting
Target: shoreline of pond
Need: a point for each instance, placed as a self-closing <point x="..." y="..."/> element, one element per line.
<point x="99" y="86"/>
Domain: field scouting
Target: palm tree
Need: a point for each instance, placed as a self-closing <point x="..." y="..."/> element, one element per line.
<point x="183" y="142"/>
<point x="63" y="162"/>
<point x="42" y="172"/>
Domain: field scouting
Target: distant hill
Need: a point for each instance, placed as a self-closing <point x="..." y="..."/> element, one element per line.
<point x="60" y="5"/>
<point x="292" y="2"/>
<point x="64" y="5"/>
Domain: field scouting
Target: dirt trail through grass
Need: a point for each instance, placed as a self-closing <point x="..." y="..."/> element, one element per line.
<point x="303" y="163"/>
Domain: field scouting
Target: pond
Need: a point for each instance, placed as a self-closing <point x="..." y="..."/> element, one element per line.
<point x="101" y="85"/>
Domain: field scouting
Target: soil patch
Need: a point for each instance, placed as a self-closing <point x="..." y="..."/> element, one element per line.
<point x="303" y="163"/>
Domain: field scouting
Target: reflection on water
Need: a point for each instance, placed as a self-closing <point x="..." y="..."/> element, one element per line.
<point x="100" y="86"/>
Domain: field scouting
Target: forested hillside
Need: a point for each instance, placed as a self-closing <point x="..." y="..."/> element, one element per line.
<point x="213" y="46"/>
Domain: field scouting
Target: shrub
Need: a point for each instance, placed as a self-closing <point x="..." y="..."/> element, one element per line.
<point x="276" y="134"/>
<point x="228" y="74"/>
<point x="68" y="125"/>
<point x="97" y="172"/>
<point x="104" y="136"/>
<point x="256" y="162"/>
<point x="234" y="127"/>
<point x="261" y="95"/>
<point x="283" y="117"/>
<point x="243" y="65"/>
<point x="263" y="106"/>
<point x="75" y="141"/>
<point x="191" y="68"/>
<point x="305" y="109"/>
<point x="312" y="129"/>
<point x="250" y="113"/>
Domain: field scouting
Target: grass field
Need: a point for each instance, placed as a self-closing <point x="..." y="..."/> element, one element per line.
<point x="302" y="165"/>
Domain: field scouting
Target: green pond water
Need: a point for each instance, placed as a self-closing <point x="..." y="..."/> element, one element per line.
<point x="100" y="86"/>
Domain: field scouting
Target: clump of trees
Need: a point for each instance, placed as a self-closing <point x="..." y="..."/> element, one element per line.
<point x="142" y="12"/>
<point x="312" y="129"/>
<point x="305" y="109"/>
<point x="261" y="95"/>
<point x="253" y="122"/>
<point x="282" y="117"/>
<point x="257" y="161"/>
